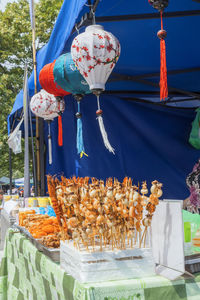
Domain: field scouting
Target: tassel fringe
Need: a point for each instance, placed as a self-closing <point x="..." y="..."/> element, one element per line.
<point x="163" y="67"/>
<point x="49" y="143"/>
<point x="104" y="135"/>
<point x="79" y="137"/>
<point x="60" y="131"/>
<point x="163" y="71"/>
<point x="50" y="150"/>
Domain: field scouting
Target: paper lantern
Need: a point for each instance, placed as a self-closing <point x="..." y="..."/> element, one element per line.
<point x="47" y="82"/>
<point x="48" y="107"/>
<point x="160" y="5"/>
<point x="46" y="79"/>
<point x="68" y="77"/>
<point x="95" y="52"/>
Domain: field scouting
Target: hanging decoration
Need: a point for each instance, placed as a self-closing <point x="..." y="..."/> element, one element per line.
<point x="95" y="53"/>
<point x="46" y="79"/>
<point x="68" y="77"/>
<point x="48" y="107"/>
<point x="161" y="5"/>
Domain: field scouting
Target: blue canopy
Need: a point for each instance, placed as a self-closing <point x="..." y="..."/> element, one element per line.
<point x="151" y="141"/>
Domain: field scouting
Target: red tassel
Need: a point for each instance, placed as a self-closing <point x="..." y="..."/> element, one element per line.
<point x="60" y="131"/>
<point x="163" y="67"/>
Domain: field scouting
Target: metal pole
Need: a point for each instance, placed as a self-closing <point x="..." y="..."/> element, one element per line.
<point x="42" y="164"/>
<point x="37" y="119"/>
<point x="26" y="136"/>
<point x="33" y="155"/>
<point x="10" y="169"/>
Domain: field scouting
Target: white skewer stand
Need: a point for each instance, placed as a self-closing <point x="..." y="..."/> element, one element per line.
<point x="168" y="239"/>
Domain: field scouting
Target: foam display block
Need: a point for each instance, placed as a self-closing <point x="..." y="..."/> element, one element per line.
<point x="106" y="265"/>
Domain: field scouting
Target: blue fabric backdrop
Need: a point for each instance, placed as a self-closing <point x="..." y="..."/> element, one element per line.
<point x="150" y="143"/>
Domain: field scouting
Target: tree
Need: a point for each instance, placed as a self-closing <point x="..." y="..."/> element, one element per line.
<point x="15" y="52"/>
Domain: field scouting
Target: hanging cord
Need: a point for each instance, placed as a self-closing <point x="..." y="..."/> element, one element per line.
<point x="163" y="65"/>
<point x="77" y="30"/>
<point x="99" y="113"/>
<point x="79" y="136"/>
<point x="49" y="142"/>
<point x="93" y="16"/>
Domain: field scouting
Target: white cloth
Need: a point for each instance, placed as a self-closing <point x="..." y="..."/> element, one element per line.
<point x="14" y="140"/>
<point x="10" y="205"/>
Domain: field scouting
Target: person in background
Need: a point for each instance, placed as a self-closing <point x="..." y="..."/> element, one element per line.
<point x="193" y="182"/>
<point x="21" y="191"/>
<point x="32" y="191"/>
<point x="1" y="196"/>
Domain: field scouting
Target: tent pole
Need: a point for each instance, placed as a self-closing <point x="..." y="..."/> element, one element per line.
<point x="26" y="137"/>
<point x="33" y="156"/>
<point x="122" y="77"/>
<point x="42" y="154"/>
<point x="10" y="169"/>
<point x="87" y="17"/>
<point x="39" y="121"/>
<point x="148" y="16"/>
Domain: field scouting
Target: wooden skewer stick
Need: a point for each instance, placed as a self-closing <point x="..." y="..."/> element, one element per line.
<point x="136" y="237"/>
<point x="145" y="237"/>
<point x="142" y="238"/>
<point x="112" y="238"/>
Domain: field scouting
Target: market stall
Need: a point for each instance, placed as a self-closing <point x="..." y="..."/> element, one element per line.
<point x="101" y="226"/>
<point x="142" y="129"/>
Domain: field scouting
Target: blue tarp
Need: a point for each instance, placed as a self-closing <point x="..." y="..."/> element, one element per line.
<point x="151" y="142"/>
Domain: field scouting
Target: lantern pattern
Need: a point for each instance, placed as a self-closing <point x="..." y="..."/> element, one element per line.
<point x="95" y="52"/>
<point x="48" y="107"/>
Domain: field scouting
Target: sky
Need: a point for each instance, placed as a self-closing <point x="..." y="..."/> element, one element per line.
<point x="4" y="2"/>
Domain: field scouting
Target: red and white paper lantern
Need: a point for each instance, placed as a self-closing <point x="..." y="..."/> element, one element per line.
<point x="95" y="52"/>
<point x="48" y="107"/>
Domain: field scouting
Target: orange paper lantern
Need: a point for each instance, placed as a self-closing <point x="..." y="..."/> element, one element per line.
<point x="47" y="82"/>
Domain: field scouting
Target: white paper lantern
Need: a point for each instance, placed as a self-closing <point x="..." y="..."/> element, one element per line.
<point x="95" y="52"/>
<point x="46" y="106"/>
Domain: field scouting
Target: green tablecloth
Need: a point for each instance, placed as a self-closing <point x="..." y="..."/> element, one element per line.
<point x="27" y="274"/>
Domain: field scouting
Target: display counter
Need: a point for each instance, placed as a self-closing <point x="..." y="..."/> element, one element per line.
<point x="26" y="273"/>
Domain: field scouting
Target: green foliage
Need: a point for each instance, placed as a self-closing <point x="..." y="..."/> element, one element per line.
<point x="15" y="52"/>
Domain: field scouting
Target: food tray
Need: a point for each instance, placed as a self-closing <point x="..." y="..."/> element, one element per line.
<point x="52" y="253"/>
